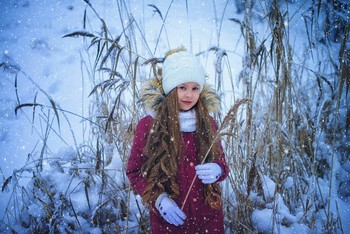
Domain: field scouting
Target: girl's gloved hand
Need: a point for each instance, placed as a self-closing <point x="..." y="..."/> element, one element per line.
<point x="208" y="172"/>
<point x="169" y="210"/>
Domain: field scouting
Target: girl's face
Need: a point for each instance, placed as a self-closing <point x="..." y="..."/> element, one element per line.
<point x="188" y="95"/>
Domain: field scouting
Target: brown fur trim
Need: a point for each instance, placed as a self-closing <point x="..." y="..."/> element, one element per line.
<point x="210" y="99"/>
<point x="152" y="95"/>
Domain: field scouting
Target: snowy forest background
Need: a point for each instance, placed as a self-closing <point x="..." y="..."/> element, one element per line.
<point x="70" y="77"/>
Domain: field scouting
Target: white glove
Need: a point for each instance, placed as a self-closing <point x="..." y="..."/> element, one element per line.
<point x="169" y="210"/>
<point x="208" y="172"/>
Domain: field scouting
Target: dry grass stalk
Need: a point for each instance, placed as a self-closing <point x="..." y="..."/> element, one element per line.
<point x="229" y="119"/>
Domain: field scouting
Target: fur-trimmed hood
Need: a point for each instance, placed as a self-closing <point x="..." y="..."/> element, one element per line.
<point x="152" y="96"/>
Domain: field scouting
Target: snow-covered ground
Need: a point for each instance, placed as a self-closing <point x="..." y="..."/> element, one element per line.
<point x="31" y="38"/>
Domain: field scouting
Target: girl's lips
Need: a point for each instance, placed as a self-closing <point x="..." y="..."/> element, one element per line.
<point x="187" y="102"/>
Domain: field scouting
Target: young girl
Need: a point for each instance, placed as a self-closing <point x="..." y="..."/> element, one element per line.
<point x="169" y="146"/>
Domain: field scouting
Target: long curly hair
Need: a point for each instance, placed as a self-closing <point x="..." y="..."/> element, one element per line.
<point x="163" y="150"/>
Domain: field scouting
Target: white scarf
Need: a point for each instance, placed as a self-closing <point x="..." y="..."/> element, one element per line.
<point x="187" y="119"/>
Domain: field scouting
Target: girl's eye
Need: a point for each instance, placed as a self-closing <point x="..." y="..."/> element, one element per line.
<point x="196" y="88"/>
<point x="182" y="87"/>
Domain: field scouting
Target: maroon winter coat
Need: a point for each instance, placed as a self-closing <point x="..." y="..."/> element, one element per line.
<point x="201" y="218"/>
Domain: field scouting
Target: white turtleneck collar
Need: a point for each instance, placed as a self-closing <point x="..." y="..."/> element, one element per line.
<point x="188" y="120"/>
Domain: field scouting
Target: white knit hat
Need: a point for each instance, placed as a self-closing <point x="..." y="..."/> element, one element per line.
<point x="182" y="67"/>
